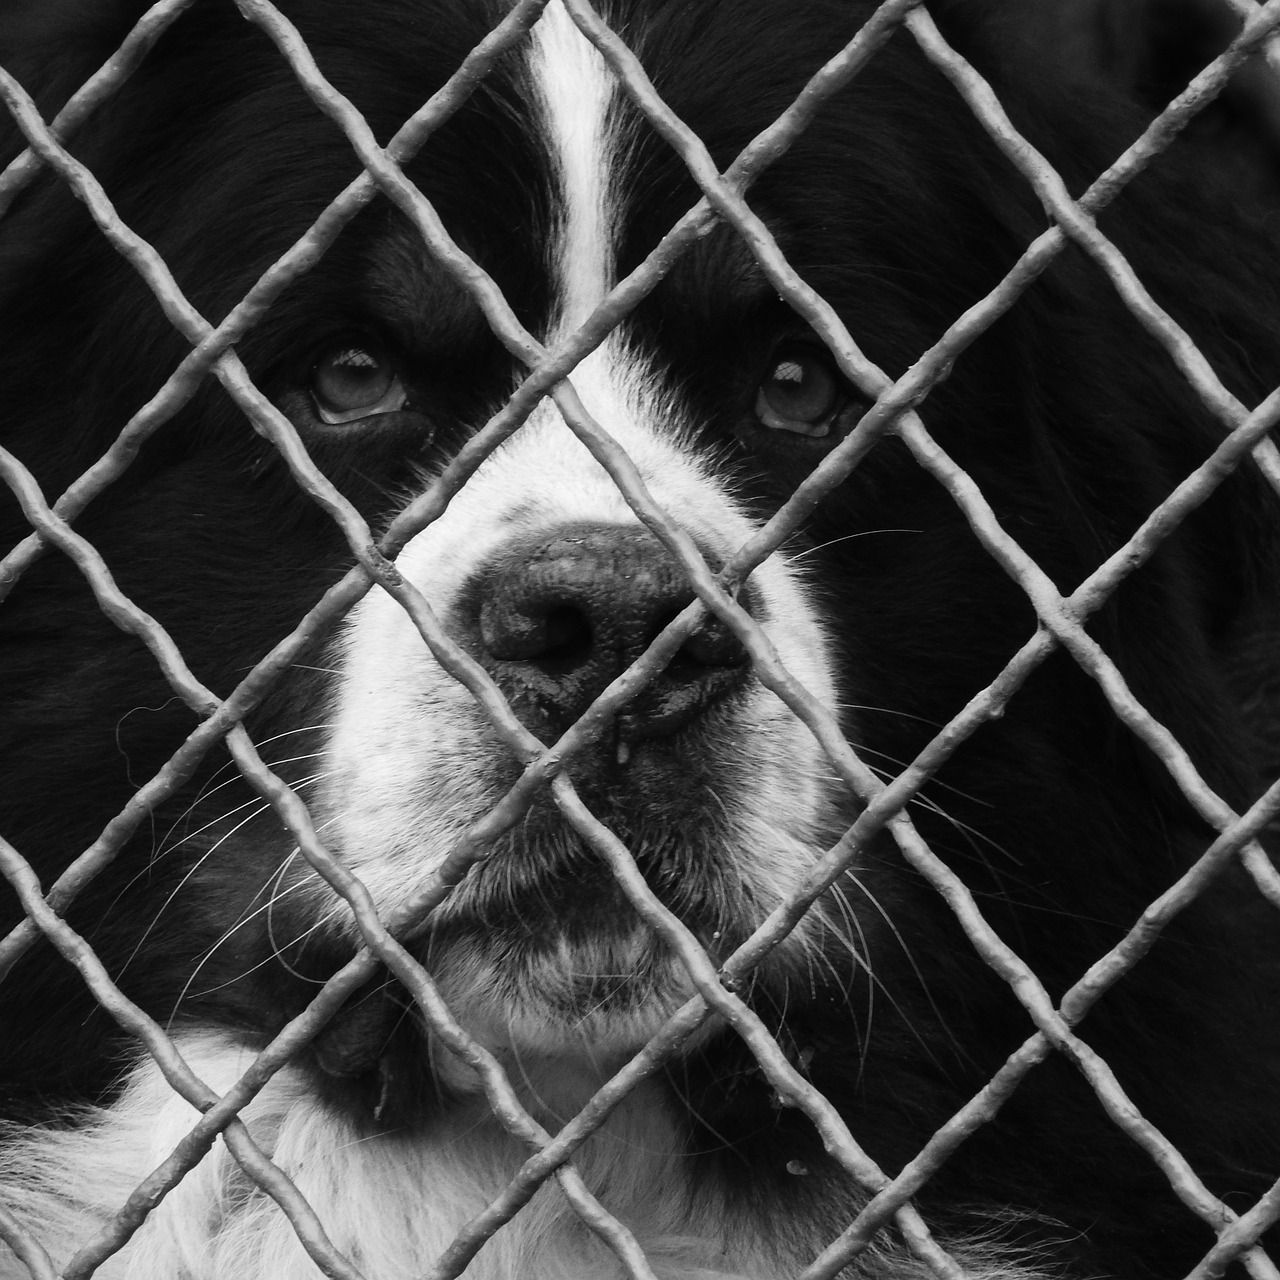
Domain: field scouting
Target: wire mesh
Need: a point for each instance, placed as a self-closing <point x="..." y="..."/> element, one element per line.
<point x="549" y="374"/>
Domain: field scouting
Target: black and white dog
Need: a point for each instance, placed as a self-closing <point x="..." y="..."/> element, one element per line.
<point x="899" y="210"/>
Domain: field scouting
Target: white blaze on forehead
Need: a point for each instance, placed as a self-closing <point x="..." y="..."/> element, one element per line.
<point x="575" y="91"/>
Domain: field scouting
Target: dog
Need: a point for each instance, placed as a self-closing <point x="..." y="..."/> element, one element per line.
<point x="1052" y="827"/>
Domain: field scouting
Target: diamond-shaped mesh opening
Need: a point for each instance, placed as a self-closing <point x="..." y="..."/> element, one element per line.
<point x="547" y="767"/>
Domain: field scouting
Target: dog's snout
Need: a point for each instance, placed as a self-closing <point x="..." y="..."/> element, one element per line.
<point x="561" y="619"/>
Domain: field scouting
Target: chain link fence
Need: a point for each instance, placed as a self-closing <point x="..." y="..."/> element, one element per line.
<point x="547" y="767"/>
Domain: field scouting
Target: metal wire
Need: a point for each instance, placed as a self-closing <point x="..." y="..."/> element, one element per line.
<point x="1061" y="625"/>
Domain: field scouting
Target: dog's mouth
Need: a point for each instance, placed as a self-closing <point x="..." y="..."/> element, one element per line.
<point x="547" y="872"/>
<point x="564" y="992"/>
<point x="560" y="1013"/>
<point x="542" y="957"/>
<point x="541" y="951"/>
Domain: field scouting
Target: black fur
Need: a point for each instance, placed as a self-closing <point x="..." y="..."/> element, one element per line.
<point x="898" y="209"/>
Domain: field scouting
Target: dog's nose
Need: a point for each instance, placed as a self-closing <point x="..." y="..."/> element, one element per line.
<point x="558" y="621"/>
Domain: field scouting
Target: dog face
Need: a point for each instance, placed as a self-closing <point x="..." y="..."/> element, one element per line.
<point x="555" y="587"/>
<point x="551" y="584"/>
<point x="537" y="547"/>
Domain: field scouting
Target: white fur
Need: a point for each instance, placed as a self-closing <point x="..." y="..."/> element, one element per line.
<point x="390" y="1202"/>
<point x="576" y="90"/>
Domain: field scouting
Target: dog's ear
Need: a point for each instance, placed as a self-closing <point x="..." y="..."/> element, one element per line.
<point x="52" y="46"/>
<point x="1151" y="48"/>
<point x="27" y="24"/>
<point x="1143" y="51"/>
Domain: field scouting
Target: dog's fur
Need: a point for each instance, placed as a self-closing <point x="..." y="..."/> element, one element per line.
<point x="899" y="210"/>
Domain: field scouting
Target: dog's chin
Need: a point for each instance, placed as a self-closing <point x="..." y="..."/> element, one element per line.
<point x="539" y="952"/>
<point x="589" y="1001"/>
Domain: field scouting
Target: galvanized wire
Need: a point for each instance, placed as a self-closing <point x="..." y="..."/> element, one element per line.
<point x="26" y="1248"/>
<point x="1245" y="9"/>
<point x="1062" y="619"/>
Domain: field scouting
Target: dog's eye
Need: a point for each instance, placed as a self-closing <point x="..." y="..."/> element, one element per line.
<point x="802" y="393"/>
<point x="355" y="380"/>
